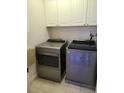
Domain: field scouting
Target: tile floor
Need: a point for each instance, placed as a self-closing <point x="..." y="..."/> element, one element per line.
<point x="45" y="86"/>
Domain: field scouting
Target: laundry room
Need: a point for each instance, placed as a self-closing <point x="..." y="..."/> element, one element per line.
<point x="61" y="46"/>
<point x="61" y="42"/>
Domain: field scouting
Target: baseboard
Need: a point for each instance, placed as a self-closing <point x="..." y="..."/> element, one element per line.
<point x="32" y="72"/>
<point x="32" y="78"/>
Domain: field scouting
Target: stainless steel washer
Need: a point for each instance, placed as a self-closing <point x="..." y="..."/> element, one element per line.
<point x="51" y="59"/>
<point x="81" y="63"/>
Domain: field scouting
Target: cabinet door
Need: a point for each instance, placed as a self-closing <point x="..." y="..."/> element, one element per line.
<point x="64" y="12"/>
<point x="78" y="11"/>
<point x="51" y="12"/>
<point x="91" y="12"/>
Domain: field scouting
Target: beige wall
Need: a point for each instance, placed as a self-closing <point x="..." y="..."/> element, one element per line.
<point x="36" y="23"/>
<point x="36" y="29"/>
<point x="36" y="33"/>
<point x="71" y="33"/>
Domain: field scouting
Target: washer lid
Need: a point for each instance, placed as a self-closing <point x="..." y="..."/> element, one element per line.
<point x="89" y="45"/>
<point x="53" y="45"/>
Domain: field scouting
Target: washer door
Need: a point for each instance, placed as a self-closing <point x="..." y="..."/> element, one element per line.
<point x="48" y="59"/>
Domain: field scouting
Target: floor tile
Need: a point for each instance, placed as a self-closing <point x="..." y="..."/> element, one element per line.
<point x="42" y="91"/>
<point x="59" y="89"/>
<point x="40" y="85"/>
<point x="73" y="89"/>
<point x="86" y="90"/>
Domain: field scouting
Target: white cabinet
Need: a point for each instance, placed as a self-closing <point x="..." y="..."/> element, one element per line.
<point x="70" y="12"/>
<point x="91" y="12"/>
<point x="51" y="12"/>
<point x="78" y="12"/>
<point x="64" y="12"/>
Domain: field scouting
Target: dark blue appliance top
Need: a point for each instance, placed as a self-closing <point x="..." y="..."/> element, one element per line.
<point x="89" y="45"/>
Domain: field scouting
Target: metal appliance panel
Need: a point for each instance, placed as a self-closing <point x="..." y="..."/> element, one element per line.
<point x="48" y="57"/>
<point x="50" y="60"/>
<point x="81" y="66"/>
<point x="49" y="73"/>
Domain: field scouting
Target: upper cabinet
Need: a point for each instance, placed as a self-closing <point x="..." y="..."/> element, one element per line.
<point x="91" y="12"/>
<point x="70" y="12"/>
<point x="51" y="12"/>
<point x="64" y="12"/>
<point x="78" y="12"/>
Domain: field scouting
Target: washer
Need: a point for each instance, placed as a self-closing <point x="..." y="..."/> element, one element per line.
<point x="51" y="59"/>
